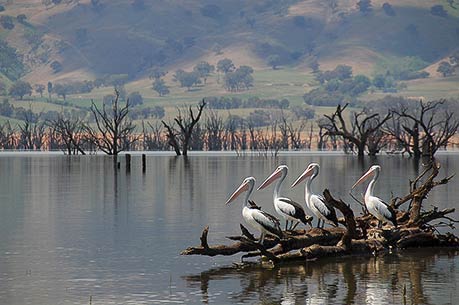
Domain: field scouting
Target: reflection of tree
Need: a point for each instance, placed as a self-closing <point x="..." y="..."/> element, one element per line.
<point x="181" y="169"/>
<point x="347" y="281"/>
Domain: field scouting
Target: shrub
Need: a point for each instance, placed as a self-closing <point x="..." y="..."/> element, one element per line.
<point x="7" y="22"/>
<point x="438" y="10"/>
<point x="388" y="9"/>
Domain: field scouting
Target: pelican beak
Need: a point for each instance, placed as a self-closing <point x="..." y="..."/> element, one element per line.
<point x="307" y="173"/>
<point x="242" y="188"/>
<point x="363" y="178"/>
<point x="275" y="175"/>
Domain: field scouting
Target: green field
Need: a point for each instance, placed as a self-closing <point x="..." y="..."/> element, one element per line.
<point x="285" y="82"/>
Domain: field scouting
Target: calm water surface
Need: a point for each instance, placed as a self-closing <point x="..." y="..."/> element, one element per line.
<point x="73" y="227"/>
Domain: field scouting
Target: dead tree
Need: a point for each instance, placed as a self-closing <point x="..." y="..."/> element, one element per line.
<point x="418" y="193"/>
<point x="198" y="138"/>
<point x="7" y="139"/>
<point x="231" y="137"/>
<point x="253" y="140"/>
<point x="114" y="131"/>
<point x="214" y="130"/>
<point x="243" y="138"/>
<point x="427" y="127"/>
<point x="179" y="138"/>
<point x="294" y="133"/>
<point x="403" y="139"/>
<point x="268" y="140"/>
<point x="152" y="136"/>
<point x="70" y="133"/>
<point x="31" y="132"/>
<point x="363" y="128"/>
<point x="284" y="132"/>
<point x="321" y="142"/>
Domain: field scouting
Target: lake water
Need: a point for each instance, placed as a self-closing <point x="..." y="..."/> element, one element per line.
<point x="74" y="228"/>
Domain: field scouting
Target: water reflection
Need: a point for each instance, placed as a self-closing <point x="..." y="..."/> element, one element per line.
<point x="71" y="227"/>
<point x="356" y="280"/>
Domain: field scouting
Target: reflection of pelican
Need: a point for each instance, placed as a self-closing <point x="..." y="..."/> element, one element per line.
<point x="375" y="206"/>
<point x="285" y="207"/>
<point x="259" y="220"/>
<point x="316" y="203"/>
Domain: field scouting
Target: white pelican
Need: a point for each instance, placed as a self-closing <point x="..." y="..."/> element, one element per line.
<point x="316" y="203"/>
<point x="375" y="206"/>
<point x="259" y="220"/>
<point x="287" y="208"/>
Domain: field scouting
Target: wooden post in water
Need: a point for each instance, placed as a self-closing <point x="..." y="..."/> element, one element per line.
<point x="144" y="163"/>
<point x="128" y="162"/>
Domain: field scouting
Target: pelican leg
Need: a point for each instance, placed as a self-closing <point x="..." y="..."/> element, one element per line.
<point x="286" y="223"/>
<point x="318" y="222"/>
<point x="262" y="238"/>
<point x="294" y="227"/>
<point x="379" y="224"/>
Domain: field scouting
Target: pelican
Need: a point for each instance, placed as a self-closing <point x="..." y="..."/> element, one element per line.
<point x="256" y="218"/>
<point x="375" y="206"/>
<point x="287" y="208"/>
<point x="316" y="203"/>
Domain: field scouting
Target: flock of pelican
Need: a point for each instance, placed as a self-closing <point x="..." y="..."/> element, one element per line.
<point x="292" y="211"/>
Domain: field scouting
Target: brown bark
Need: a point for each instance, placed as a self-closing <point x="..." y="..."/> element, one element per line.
<point x="186" y="124"/>
<point x="360" y="236"/>
<point x="364" y="128"/>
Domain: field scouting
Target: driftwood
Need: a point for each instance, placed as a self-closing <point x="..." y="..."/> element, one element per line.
<point x="360" y="235"/>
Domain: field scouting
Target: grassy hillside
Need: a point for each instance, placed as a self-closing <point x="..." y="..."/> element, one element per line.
<point x="90" y="39"/>
<point x="124" y="37"/>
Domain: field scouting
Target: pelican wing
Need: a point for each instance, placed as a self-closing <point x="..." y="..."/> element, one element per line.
<point x="290" y="207"/>
<point x="267" y="221"/>
<point x="294" y="209"/>
<point x="386" y="210"/>
<point x="319" y="203"/>
<point x="324" y="208"/>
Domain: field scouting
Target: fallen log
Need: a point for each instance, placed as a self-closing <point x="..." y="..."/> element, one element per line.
<point x="311" y="237"/>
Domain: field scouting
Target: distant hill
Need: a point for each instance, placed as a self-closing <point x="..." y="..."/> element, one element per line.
<point x="90" y="38"/>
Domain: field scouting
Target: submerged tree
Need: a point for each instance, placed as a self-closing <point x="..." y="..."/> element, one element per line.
<point x="31" y="132"/>
<point x="152" y="136"/>
<point x="70" y="132"/>
<point x="114" y="131"/>
<point x="364" y="132"/>
<point x="179" y="137"/>
<point x="214" y="127"/>
<point x="7" y="139"/>
<point x="424" y="127"/>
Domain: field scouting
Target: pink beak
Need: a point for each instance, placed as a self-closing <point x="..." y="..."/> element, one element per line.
<point x="275" y="175"/>
<point x="242" y="188"/>
<point x="363" y="178"/>
<point x="307" y="173"/>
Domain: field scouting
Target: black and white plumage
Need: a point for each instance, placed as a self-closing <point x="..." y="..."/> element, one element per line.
<point x="285" y="207"/>
<point x="316" y="203"/>
<point x="253" y="215"/>
<point x="375" y="206"/>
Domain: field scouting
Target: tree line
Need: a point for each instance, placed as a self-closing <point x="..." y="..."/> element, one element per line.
<point x="394" y="125"/>
<point x="340" y="85"/>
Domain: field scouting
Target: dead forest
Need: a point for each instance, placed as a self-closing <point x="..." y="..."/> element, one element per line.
<point x="416" y="128"/>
